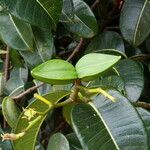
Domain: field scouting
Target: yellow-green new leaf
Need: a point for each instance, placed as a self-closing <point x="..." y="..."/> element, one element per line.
<point x="92" y="65"/>
<point x="55" y="71"/>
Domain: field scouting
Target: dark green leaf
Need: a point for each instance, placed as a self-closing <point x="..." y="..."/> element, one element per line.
<point x="107" y="40"/>
<point x="92" y="65"/>
<point x="135" y="21"/>
<point x="132" y="74"/>
<point x="146" y="119"/>
<point x="113" y="81"/>
<point x="91" y="129"/>
<point x="67" y="112"/>
<point x="67" y="13"/>
<point x="43" y="89"/>
<point x="44" y="43"/>
<point x="84" y="22"/>
<point x="55" y="72"/>
<point x="16" y="33"/>
<point x="123" y="121"/>
<point x="58" y="142"/>
<point x="73" y="142"/>
<point x="42" y="13"/>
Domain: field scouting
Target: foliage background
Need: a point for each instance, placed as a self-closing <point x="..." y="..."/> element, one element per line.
<point x="32" y="32"/>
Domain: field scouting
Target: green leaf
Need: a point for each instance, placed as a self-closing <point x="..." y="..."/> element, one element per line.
<point x="29" y="139"/>
<point x="113" y="81"/>
<point x="84" y="23"/>
<point x="67" y="13"/>
<point x="67" y="112"/>
<point x="90" y="129"/>
<point x="106" y="124"/>
<point x="55" y="72"/>
<point x="58" y="142"/>
<point x="15" y="33"/>
<point x="145" y="115"/>
<point x="52" y="8"/>
<point x="107" y="40"/>
<point x="44" y="43"/>
<point x="18" y="78"/>
<point x="16" y="59"/>
<point x="53" y="98"/>
<point x="123" y="121"/>
<point x="132" y="74"/>
<point x="43" y="89"/>
<point x="10" y="111"/>
<point x="73" y="142"/>
<point x="135" y="21"/>
<point x="42" y="13"/>
<point x="93" y="65"/>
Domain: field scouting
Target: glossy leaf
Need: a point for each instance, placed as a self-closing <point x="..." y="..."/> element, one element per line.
<point x="73" y="142"/>
<point x="16" y="33"/>
<point x="111" y="82"/>
<point x="58" y="142"/>
<point x="43" y="89"/>
<point x="106" y="124"/>
<point x="93" y="65"/>
<point x="84" y="23"/>
<point x="18" y="78"/>
<point x="67" y="13"/>
<point x="10" y="111"/>
<point x="123" y="121"/>
<point x="53" y="8"/>
<point x="45" y="13"/>
<point x="29" y="139"/>
<point x="133" y="77"/>
<point x="90" y="128"/>
<point x="55" y="72"/>
<point x="44" y="43"/>
<point x="54" y="98"/>
<point x="145" y="115"/>
<point x="107" y="40"/>
<point x="67" y="109"/>
<point x="135" y="21"/>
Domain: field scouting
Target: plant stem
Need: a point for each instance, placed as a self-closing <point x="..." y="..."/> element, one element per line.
<point x="6" y="69"/>
<point x="73" y="96"/>
<point x="27" y="91"/>
<point x="101" y="91"/>
<point x="76" y="50"/>
<point x="95" y="4"/>
<point x="67" y="101"/>
<point x="44" y="100"/>
<point x="79" y="46"/>
<point x="143" y="105"/>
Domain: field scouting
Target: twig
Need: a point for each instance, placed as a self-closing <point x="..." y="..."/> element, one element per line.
<point x="6" y="72"/>
<point x="76" y="49"/>
<point x="27" y="91"/>
<point x="60" y="127"/>
<point x="95" y="4"/>
<point x="143" y="105"/>
<point x="6" y="69"/>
